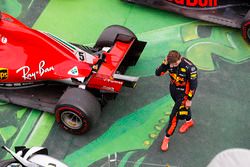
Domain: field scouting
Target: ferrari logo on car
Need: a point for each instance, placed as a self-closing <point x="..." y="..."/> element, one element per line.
<point x="3" y="39"/>
<point x="3" y="73"/>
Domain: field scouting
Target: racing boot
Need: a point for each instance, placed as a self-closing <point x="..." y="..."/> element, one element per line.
<point x="164" y="145"/>
<point x="186" y="126"/>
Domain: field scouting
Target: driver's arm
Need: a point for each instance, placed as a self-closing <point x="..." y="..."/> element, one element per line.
<point x="162" y="69"/>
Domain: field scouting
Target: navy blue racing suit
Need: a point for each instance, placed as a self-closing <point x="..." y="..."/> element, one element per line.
<point x="183" y="84"/>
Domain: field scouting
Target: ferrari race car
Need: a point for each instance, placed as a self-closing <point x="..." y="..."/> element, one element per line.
<point x="42" y="71"/>
<point x="30" y="157"/>
<point x="232" y="13"/>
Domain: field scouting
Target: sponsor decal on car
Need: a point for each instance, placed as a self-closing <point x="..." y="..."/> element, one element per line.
<point x="28" y="75"/>
<point x="73" y="71"/>
<point x="195" y="3"/>
<point x="112" y="81"/>
<point x="3" y="73"/>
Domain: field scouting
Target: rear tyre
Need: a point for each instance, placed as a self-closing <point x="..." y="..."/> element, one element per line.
<point x="245" y="30"/>
<point x="77" y="111"/>
<point x="109" y="34"/>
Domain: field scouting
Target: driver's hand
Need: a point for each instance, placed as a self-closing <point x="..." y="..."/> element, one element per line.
<point x="165" y="61"/>
<point x="188" y="104"/>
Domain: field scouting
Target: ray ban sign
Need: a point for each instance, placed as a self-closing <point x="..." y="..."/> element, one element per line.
<point x="195" y="3"/>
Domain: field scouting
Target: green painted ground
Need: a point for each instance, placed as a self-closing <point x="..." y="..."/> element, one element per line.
<point x="12" y="7"/>
<point x="83" y="21"/>
<point x="132" y="126"/>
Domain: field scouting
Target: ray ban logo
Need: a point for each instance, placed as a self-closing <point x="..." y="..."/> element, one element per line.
<point x="195" y="3"/>
<point x="28" y="75"/>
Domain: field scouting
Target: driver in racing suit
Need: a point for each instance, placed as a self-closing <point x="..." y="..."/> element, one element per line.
<point x="183" y="84"/>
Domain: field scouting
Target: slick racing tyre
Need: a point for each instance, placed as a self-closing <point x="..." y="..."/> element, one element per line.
<point x="109" y="34"/>
<point x="10" y="163"/>
<point x="245" y="30"/>
<point x="77" y="110"/>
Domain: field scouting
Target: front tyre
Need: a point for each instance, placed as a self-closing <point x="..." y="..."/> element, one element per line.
<point x="245" y="30"/>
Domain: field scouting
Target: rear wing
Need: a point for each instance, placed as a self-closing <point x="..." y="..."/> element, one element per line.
<point x="122" y="41"/>
<point x="130" y="59"/>
<point x="133" y="53"/>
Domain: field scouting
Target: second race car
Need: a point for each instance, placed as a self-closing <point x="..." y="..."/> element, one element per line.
<point x="232" y="13"/>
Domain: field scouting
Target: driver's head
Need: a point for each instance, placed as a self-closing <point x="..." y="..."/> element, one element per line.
<point x="174" y="58"/>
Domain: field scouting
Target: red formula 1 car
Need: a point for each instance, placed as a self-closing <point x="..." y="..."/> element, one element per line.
<point x="42" y="71"/>
<point x="232" y="13"/>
